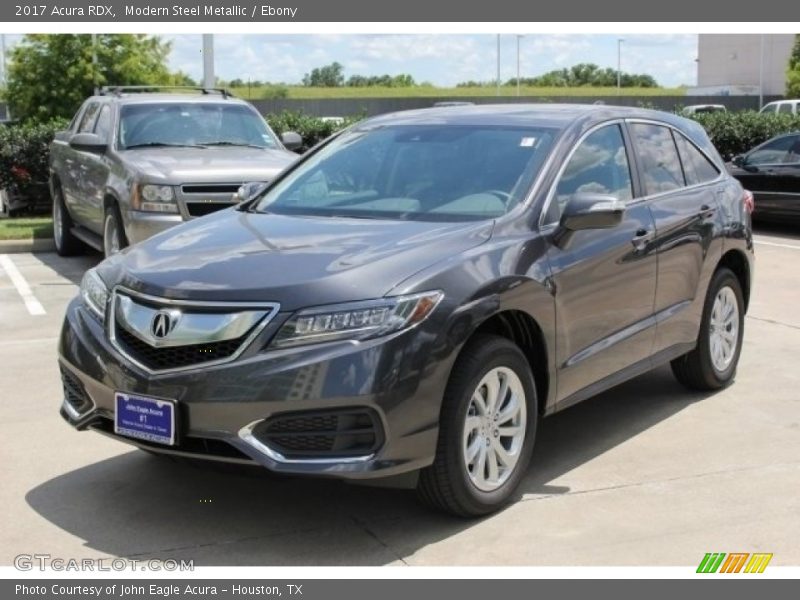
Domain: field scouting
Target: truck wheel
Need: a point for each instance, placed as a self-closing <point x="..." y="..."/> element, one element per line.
<point x="114" y="238"/>
<point x="66" y="243"/>
<point x="486" y="431"/>
<point x="712" y="364"/>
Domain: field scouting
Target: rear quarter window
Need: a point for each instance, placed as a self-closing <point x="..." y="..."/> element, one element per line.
<point x="696" y="166"/>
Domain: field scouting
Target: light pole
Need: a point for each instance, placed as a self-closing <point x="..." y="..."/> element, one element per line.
<point x="519" y="37"/>
<point x="498" y="64"/>
<point x="619" y="65"/>
<point x="761" y="75"/>
<point x="208" y="61"/>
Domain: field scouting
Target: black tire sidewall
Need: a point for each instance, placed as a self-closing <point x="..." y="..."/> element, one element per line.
<point x="499" y="353"/>
<point x="60" y="235"/>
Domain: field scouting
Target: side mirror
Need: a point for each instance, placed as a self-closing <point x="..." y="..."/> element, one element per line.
<point x="249" y="190"/>
<point x="592" y="211"/>
<point x="291" y="140"/>
<point x="588" y="211"/>
<point x="738" y="160"/>
<point x="88" y="142"/>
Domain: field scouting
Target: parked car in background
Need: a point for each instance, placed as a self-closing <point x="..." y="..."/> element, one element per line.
<point x="771" y="172"/>
<point x="409" y="299"/>
<point x="138" y="160"/>
<point x="782" y="107"/>
<point x="694" y="109"/>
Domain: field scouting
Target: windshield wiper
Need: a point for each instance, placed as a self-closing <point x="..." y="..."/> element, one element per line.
<point x="243" y="145"/>
<point x="163" y="145"/>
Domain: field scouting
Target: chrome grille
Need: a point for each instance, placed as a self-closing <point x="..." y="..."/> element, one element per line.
<point x="160" y="334"/>
<point x="200" y="199"/>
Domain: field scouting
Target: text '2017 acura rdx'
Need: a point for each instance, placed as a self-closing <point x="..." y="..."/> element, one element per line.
<point x="407" y="301"/>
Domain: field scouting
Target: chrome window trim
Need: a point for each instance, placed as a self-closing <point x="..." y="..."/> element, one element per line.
<point x="246" y="435"/>
<point x="273" y="307"/>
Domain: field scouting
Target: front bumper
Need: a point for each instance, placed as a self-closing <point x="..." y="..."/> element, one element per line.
<point x="400" y="379"/>
<point x="140" y="226"/>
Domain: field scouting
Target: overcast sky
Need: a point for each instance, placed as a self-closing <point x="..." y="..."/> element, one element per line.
<point x="441" y="59"/>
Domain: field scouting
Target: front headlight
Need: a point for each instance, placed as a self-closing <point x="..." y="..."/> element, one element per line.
<point x="356" y="320"/>
<point x="94" y="293"/>
<point x="155" y="198"/>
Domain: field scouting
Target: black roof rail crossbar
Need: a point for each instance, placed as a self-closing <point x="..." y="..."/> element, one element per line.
<point x="120" y="89"/>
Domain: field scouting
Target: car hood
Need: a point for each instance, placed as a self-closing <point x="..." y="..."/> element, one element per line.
<point x="296" y="261"/>
<point x="175" y="165"/>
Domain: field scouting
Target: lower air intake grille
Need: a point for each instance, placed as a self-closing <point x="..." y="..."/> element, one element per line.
<point x="200" y="209"/>
<point x="174" y="357"/>
<point x="323" y="434"/>
<point x="74" y="394"/>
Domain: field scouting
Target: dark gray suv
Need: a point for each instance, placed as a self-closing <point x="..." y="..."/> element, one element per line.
<point x="407" y="301"/>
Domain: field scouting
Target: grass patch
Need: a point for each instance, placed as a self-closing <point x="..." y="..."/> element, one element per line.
<point x="302" y="92"/>
<point x="26" y="228"/>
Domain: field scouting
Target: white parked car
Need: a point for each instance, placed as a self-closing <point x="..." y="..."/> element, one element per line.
<point x="787" y="107"/>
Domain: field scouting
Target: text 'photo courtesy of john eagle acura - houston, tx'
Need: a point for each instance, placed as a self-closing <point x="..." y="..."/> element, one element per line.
<point x="407" y="301"/>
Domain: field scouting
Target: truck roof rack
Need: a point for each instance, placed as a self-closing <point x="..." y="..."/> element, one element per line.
<point x="118" y="90"/>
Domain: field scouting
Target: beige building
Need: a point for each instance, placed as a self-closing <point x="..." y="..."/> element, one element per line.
<point x="732" y="63"/>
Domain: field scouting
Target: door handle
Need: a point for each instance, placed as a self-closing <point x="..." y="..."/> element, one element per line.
<point x="706" y="211"/>
<point x="641" y="239"/>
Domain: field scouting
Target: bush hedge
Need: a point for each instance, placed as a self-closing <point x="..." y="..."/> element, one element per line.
<point x="24" y="147"/>
<point x="737" y="132"/>
<point x="312" y="129"/>
<point x="24" y="152"/>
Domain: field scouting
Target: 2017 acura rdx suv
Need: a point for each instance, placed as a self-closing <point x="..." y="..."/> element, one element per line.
<point x="408" y="300"/>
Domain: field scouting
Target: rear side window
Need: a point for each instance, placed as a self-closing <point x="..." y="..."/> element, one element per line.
<point x="696" y="166"/>
<point x="599" y="165"/>
<point x="89" y="115"/>
<point x="661" y="167"/>
<point x="774" y="152"/>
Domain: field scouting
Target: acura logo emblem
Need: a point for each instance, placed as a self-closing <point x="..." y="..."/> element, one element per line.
<point x="164" y="322"/>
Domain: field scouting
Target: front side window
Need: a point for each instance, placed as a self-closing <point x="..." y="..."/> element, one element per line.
<point x="599" y="165"/>
<point x="774" y="152"/>
<point x="193" y="124"/>
<point x="696" y="166"/>
<point x="769" y="109"/>
<point x="660" y="165"/>
<point x="415" y="172"/>
<point x="103" y="126"/>
<point x="785" y="109"/>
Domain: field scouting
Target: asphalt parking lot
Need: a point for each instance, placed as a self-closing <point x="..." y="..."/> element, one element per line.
<point x="645" y="474"/>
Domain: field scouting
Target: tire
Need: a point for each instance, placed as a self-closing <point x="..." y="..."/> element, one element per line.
<point x="454" y="484"/>
<point x="66" y="243"/>
<point x="114" y="238"/>
<point x="704" y="368"/>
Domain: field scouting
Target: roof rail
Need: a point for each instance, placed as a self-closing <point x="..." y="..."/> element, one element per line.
<point x="118" y="90"/>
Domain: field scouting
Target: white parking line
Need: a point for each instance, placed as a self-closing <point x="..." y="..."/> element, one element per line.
<point x="776" y="244"/>
<point x="31" y="303"/>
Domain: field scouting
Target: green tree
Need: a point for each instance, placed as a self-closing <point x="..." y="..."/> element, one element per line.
<point x="331" y="75"/>
<point x="50" y="75"/>
<point x="793" y="70"/>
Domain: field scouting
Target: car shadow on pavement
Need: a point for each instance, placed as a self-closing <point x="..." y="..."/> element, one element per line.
<point x="139" y="506"/>
<point x="70" y="268"/>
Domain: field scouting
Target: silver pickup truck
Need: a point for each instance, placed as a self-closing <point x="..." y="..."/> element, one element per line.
<point x="135" y="161"/>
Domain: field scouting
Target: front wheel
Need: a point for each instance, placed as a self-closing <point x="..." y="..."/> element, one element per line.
<point x="114" y="238"/>
<point x="65" y="241"/>
<point x="712" y="364"/>
<point x="486" y="431"/>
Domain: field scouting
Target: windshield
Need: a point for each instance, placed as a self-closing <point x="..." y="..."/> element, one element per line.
<point x="192" y="124"/>
<point x="428" y="172"/>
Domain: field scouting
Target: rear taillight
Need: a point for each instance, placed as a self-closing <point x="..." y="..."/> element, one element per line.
<point x="747" y="200"/>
